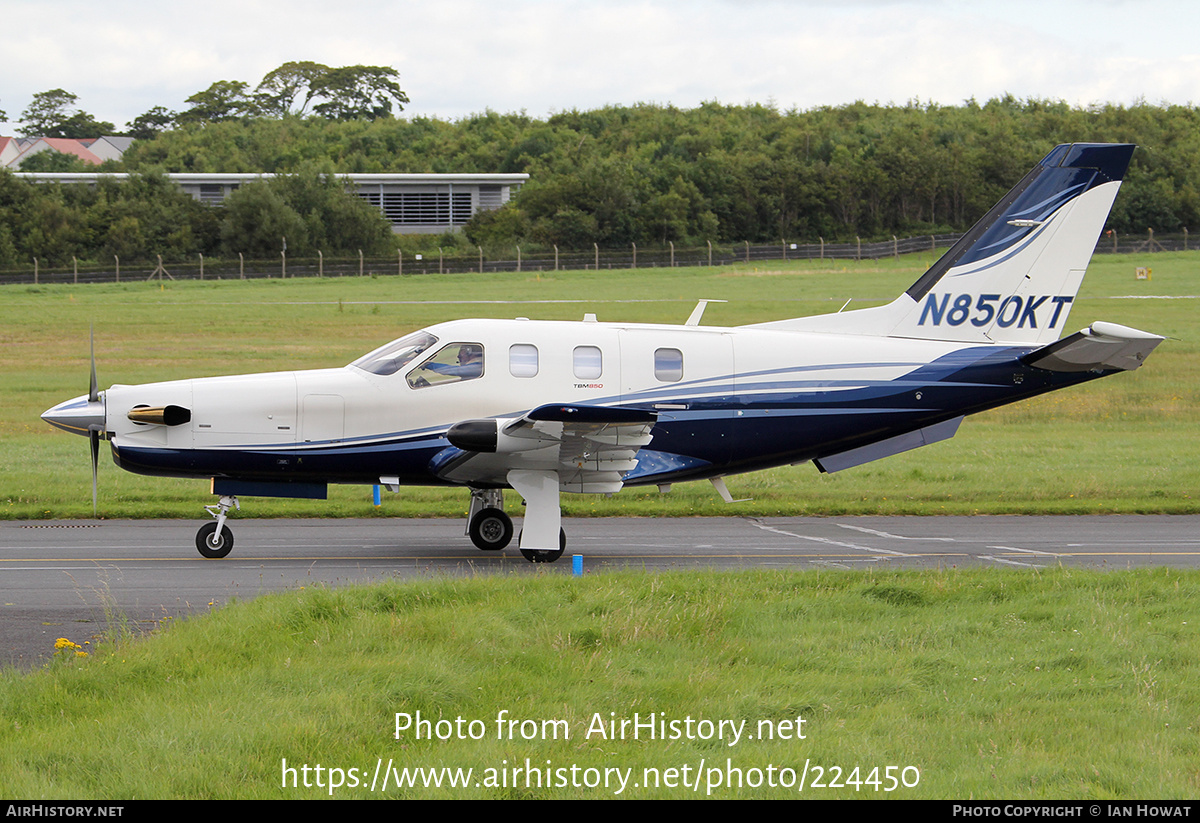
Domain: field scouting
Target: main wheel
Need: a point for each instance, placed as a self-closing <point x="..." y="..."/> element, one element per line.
<point x="546" y="555"/>
<point x="212" y="545"/>
<point x="490" y="529"/>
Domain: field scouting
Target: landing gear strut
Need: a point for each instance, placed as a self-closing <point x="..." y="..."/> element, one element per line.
<point x="542" y="514"/>
<point x="215" y="539"/>
<point x="489" y="528"/>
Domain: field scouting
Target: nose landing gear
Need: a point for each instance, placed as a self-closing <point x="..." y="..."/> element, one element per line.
<point x="216" y="539"/>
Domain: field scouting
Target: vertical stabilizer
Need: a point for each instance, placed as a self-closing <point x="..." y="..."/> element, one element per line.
<point x="1013" y="277"/>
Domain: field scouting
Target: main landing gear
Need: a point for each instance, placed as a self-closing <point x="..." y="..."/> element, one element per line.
<point x="546" y="555"/>
<point x="489" y="528"/>
<point x="215" y="539"/>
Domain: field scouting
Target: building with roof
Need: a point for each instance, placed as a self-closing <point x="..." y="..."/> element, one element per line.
<point x="91" y="150"/>
<point x="412" y="203"/>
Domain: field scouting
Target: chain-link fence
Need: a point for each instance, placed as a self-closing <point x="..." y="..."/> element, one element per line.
<point x="458" y="260"/>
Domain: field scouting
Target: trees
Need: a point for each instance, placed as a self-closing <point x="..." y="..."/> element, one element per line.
<point x="653" y="174"/>
<point x="345" y="93"/>
<point x="278" y="91"/>
<point x="151" y="124"/>
<point x="359" y="93"/>
<point x="223" y="100"/>
<point x="46" y="112"/>
<point x="313" y="211"/>
<point x="50" y="115"/>
<point x="54" y="161"/>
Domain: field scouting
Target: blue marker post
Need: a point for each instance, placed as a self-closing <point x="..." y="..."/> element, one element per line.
<point x="577" y="565"/>
<point x="375" y="495"/>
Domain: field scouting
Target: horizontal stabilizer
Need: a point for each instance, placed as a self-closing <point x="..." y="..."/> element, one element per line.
<point x="1101" y="346"/>
<point x="886" y="448"/>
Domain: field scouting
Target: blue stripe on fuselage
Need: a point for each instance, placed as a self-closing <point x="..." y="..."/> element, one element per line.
<point x="754" y="426"/>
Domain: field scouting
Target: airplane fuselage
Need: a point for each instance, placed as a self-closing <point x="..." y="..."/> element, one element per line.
<point x="796" y="396"/>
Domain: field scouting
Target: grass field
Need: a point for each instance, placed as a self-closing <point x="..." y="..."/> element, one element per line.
<point x="968" y="684"/>
<point x="1123" y="444"/>
<point x="981" y="684"/>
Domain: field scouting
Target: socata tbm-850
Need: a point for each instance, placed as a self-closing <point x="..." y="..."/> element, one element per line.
<point x="552" y="407"/>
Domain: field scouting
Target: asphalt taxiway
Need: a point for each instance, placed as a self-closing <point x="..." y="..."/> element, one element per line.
<point x="69" y="578"/>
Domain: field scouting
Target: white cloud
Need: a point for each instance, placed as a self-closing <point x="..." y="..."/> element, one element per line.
<point x="462" y="56"/>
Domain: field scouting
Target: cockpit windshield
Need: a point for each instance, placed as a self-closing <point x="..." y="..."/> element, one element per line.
<point x="396" y="355"/>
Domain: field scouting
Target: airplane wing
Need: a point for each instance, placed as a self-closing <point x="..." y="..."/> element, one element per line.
<point x="551" y="449"/>
<point x="589" y="448"/>
<point x="1101" y="346"/>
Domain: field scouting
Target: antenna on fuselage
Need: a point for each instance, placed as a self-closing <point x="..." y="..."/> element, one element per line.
<point x="698" y="312"/>
<point x="723" y="490"/>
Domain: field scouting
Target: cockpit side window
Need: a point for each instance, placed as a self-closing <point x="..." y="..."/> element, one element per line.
<point x="396" y="355"/>
<point x="451" y="364"/>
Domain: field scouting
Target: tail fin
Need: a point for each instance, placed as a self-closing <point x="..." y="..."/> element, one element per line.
<point x="1013" y="277"/>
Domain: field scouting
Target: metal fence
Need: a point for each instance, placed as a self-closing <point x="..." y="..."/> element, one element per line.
<point x="1112" y="243"/>
<point x="460" y="261"/>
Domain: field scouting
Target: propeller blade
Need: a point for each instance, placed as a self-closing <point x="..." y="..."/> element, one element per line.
<point x="93" y="432"/>
<point x="94" y="442"/>
<point x="93" y="387"/>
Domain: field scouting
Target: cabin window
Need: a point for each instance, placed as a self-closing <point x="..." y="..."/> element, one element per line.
<point x="451" y="364"/>
<point x="523" y="360"/>
<point x="588" y="362"/>
<point x="396" y="355"/>
<point x="668" y="365"/>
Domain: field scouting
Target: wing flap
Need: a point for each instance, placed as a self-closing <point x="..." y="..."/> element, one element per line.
<point x="590" y="448"/>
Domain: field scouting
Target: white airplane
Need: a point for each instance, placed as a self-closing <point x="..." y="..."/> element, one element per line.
<point x="590" y="407"/>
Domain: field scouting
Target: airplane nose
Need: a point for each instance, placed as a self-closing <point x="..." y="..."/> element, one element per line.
<point x="77" y="416"/>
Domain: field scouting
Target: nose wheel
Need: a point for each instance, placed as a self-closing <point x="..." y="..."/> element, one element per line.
<point x="215" y="539"/>
<point x="212" y="544"/>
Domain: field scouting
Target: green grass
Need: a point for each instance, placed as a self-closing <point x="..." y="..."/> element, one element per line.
<point x="994" y="684"/>
<point x="1122" y="444"/>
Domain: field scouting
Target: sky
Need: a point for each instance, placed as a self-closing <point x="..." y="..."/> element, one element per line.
<point x="460" y="57"/>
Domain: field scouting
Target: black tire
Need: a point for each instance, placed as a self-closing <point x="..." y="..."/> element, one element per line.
<point x="546" y="555"/>
<point x="490" y="529"/>
<point x="211" y="546"/>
